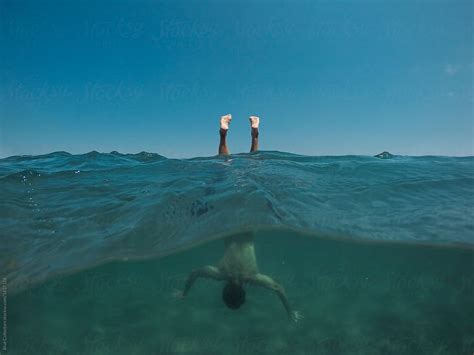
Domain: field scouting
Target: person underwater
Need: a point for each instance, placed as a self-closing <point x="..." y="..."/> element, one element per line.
<point x="238" y="266"/>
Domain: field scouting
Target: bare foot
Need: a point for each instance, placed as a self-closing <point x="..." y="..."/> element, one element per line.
<point x="178" y="294"/>
<point x="225" y="120"/>
<point x="296" y="316"/>
<point x="254" y="121"/>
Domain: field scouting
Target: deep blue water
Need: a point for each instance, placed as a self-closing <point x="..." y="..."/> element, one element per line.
<point x="377" y="254"/>
<point x="61" y="212"/>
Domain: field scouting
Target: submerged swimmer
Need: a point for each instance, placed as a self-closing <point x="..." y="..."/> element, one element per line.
<point x="238" y="266"/>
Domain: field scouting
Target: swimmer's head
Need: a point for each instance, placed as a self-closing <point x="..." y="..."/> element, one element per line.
<point x="233" y="295"/>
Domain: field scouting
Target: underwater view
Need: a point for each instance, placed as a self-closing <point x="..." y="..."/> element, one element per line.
<point x="374" y="253"/>
<point x="237" y="177"/>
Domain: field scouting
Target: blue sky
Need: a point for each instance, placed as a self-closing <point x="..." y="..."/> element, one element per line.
<point x="327" y="78"/>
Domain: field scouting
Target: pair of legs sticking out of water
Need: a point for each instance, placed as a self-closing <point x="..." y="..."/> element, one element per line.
<point x="238" y="266"/>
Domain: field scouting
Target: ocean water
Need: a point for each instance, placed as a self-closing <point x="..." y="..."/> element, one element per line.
<point x="377" y="254"/>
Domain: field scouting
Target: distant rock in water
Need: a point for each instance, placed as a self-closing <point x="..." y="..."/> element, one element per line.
<point x="384" y="155"/>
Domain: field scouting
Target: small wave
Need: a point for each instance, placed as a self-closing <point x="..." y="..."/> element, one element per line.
<point x="61" y="212"/>
<point x="22" y="176"/>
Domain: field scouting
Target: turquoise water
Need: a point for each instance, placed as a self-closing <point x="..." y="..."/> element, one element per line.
<point x="376" y="253"/>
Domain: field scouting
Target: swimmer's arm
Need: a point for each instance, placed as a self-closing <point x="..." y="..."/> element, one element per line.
<point x="210" y="272"/>
<point x="268" y="283"/>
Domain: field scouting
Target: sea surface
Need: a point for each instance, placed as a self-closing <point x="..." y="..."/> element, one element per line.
<point x="376" y="253"/>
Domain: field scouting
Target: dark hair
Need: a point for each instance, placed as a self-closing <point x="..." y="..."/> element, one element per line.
<point x="233" y="295"/>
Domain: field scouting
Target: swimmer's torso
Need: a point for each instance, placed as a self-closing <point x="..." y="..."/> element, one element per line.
<point x="239" y="260"/>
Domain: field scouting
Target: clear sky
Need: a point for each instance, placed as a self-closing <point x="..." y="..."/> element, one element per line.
<point x="326" y="77"/>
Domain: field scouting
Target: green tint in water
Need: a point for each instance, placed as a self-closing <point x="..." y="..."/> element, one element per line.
<point x="61" y="212"/>
<point x="356" y="299"/>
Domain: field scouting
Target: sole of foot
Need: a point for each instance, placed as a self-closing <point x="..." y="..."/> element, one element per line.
<point x="225" y="120"/>
<point x="254" y="121"/>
